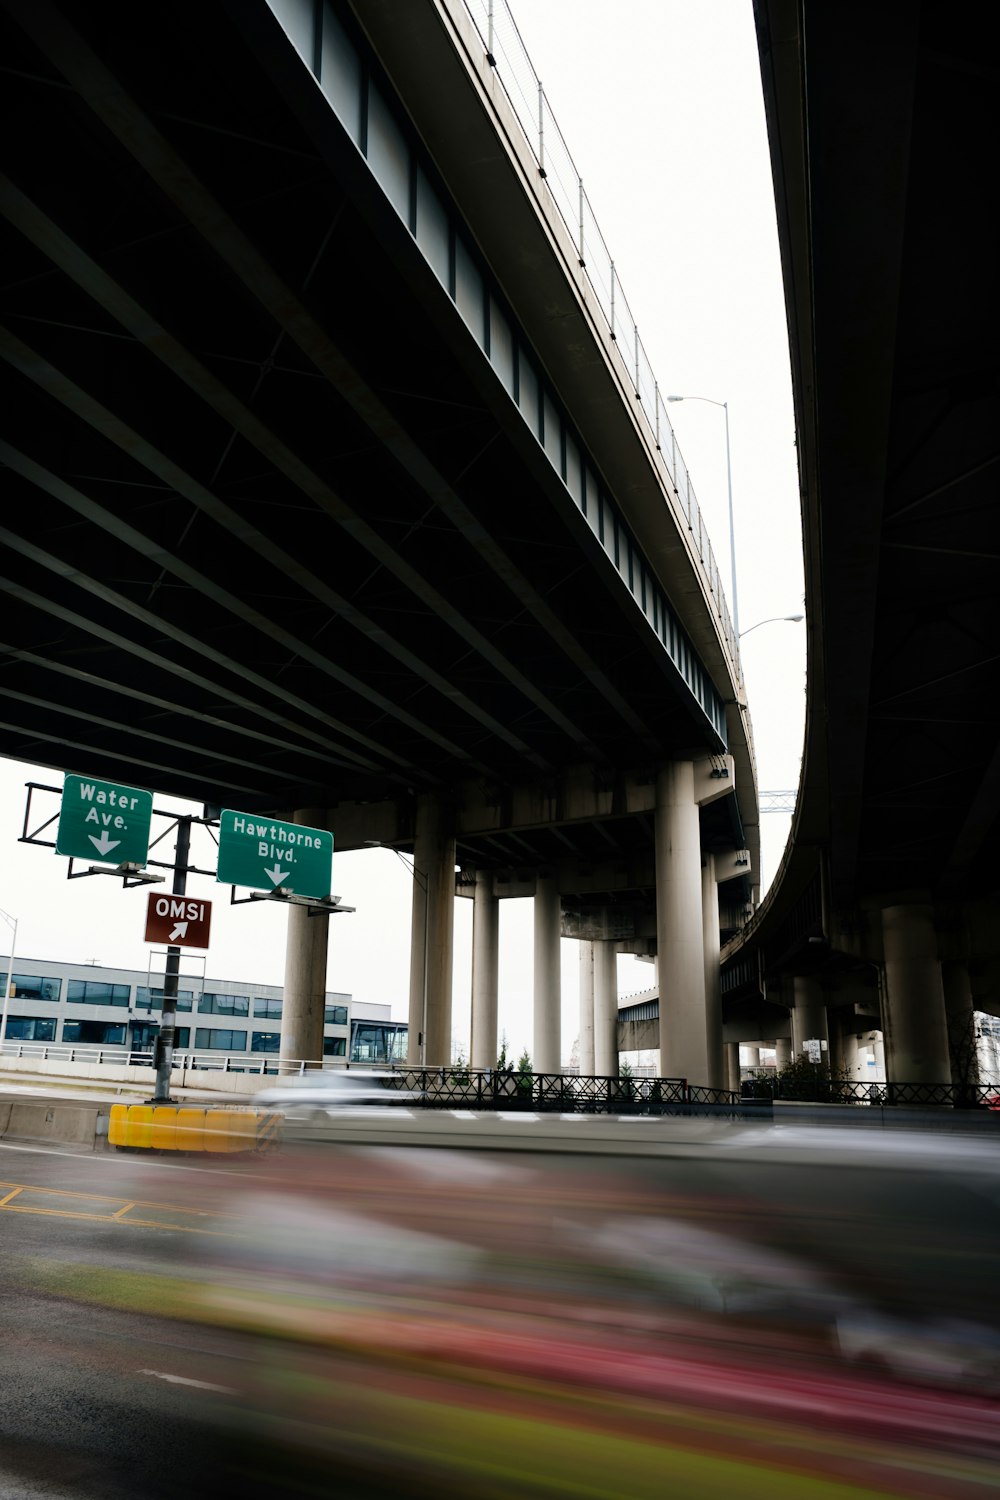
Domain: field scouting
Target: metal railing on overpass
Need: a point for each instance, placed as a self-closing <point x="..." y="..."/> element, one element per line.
<point x="460" y="1087"/>
<point x="509" y="58"/>
<point x="837" y="1091"/>
<point x="454" y="1087"/>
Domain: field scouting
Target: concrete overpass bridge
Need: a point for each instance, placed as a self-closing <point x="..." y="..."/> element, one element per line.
<point x="882" y="119"/>
<point x="338" y="485"/>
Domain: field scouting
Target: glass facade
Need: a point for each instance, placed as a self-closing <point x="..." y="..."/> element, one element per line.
<point x="30" y="1029"/>
<point x="147" y="999"/>
<point x="94" y="1033"/>
<point x="32" y="987"/>
<point x="224" y="1005"/>
<point x="97" y="992"/>
<point x="75" y="992"/>
<point x="374" y="1041"/>
<point x="219" y="1039"/>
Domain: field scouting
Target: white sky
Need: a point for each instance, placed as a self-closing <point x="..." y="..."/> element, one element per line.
<point x="659" y="102"/>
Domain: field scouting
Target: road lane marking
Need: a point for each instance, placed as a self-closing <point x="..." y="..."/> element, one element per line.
<point x="121" y="1161"/>
<point x="233" y="1224"/>
<point x="201" y="1385"/>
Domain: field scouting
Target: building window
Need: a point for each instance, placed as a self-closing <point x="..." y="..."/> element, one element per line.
<point x="334" y="1046"/>
<point x="335" y="1015"/>
<point x="265" y="1041"/>
<point x="97" y="992"/>
<point x="372" y="1042"/>
<point x="30" y="1029"/>
<point x="267" y="1010"/>
<point x="146" y="999"/>
<point x="32" y="987"/>
<point x="94" y="1033"/>
<point x="207" y="1038"/>
<point x="223" y="1005"/>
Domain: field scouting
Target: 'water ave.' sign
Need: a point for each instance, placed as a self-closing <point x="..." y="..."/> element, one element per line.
<point x="104" y="820"/>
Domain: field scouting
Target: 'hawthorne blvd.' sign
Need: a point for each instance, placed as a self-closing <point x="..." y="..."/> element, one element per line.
<point x="102" y="820"/>
<point x="265" y="855"/>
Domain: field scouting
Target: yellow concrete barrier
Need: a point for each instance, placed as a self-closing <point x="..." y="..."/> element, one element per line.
<point x="117" y="1122"/>
<point x="190" y="1132"/>
<point x="163" y="1132"/>
<point x="171" y="1127"/>
<point x="139" y="1126"/>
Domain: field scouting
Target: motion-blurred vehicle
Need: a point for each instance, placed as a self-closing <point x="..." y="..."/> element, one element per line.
<point x="318" y="1094"/>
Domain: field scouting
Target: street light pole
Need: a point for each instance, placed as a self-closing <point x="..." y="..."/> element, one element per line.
<point x="421" y="883"/>
<point x="772" y="620"/>
<point x="729" y="484"/>
<point x="12" y="924"/>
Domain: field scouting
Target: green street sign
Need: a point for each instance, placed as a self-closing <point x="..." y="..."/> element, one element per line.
<point x="265" y="855"/>
<point x="105" y="821"/>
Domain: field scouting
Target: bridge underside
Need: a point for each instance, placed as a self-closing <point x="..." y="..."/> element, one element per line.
<point x="882" y="120"/>
<point x="277" y="537"/>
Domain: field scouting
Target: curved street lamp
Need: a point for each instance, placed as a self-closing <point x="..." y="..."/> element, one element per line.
<point x="420" y="881"/>
<point x="772" y="620"/>
<point x="729" y="482"/>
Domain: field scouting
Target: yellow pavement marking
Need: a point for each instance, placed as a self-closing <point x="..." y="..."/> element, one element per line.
<point x="125" y="1206"/>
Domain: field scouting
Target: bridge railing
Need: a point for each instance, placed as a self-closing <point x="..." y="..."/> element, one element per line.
<point x="508" y="56"/>
<point x="849" y="1091"/>
<point x="460" y="1087"/>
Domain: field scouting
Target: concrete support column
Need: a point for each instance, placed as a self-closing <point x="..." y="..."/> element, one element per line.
<point x="733" y="1066"/>
<point x="586" y="1045"/>
<point x="485" y="969"/>
<point x="546" y="1054"/>
<point x="752" y="1056"/>
<point x="431" y="935"/>
<point x="914" y="1023"/>
<point x="878" y="1048"/>
<point x="850" y="1054"/>
<point x="961" y="1021"/>
<point x="304" y="995"/>
<point x="606" y="1010"/>
<point x="713" y="976"/>
<point x="684" y="1046"/>
<point x="782" y="1052"/>
<point x="838" y="1046"/>
<point x="809" y="1014"/>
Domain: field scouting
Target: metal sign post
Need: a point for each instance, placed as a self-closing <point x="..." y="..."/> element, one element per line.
<point x="163" y="1052"/>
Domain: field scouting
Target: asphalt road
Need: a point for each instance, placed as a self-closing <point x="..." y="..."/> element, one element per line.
<point x="372" y="1317"/>
<point x="99" y="1400"/>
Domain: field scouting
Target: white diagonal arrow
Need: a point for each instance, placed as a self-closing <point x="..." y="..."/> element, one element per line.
<point x="277" y="875"/>
<point x="180" y="930"/>
<point x="104" y="845"/>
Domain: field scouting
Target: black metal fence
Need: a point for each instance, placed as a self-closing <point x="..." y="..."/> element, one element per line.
<point x="836" y="1091"/>
<point x="459" y="1087"/>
